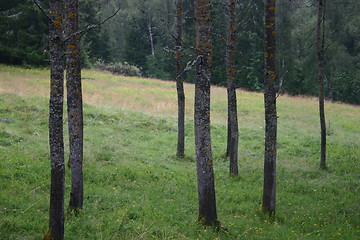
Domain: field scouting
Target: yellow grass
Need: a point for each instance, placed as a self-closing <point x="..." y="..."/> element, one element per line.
<point x="159" y="98"/>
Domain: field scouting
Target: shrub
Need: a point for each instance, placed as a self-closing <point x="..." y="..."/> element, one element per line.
<point x="119" y="68"/>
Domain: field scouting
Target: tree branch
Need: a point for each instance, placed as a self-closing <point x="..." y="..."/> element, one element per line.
<point x="42" y="10"/>
<point x="188" y="67"/>
<point x="91" y="27"/>
<point x="221" y="37"/>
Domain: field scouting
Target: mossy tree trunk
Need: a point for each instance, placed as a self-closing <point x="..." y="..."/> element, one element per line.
<point x="320" y="47"/>
<point x="56" y="220"/>
<point x="74" y="102"/>
<point x="269" y="192"/>
<point x="204" y="161"/>
<point x="233" y="130"/>
<point x="180" y="80"/>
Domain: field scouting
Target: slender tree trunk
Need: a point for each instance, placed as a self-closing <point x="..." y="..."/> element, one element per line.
<point x="269" y="194"/>
<point x="331" y="88"/>
<point x="233" y="131"/>
<point x="204" y="162"/>
<point x="151" y="37"/>
<point x="228" y="141"/>
<point x="74" y="103"/>
<point x="320" y="39"/>
<point x="179" y="80"/>
<point x="56" y="221"/>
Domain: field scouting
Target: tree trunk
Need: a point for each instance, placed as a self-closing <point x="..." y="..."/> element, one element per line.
<point x="320" y="39"/>
<point x="331" y="88"/>
<point x="56" y="221"/>
<point x="74" y="103"/>
<point x="204" y="162"/>
<point x="233" y="131"/>
<point x="228" y="141"/>
<point x="269" y="194"/>
<point x="151" y="36"/>
<point x="179" y="80"/>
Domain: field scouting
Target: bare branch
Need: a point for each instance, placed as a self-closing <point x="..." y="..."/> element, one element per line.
<point x="166" y="13"/>
<point x="91" y="27"/>
<point x="42" y="10"/>
<point x="188" y="67"/>
<point x="281" y="90"/>
<point x="221" y="37"/>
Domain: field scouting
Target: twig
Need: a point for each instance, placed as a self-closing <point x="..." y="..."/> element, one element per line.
<point x="188" y="67"/>
<point x="42" y="10"/>
<point x="31" y="205"/>
<point x="35" y="189"/>
<point x="91" y="27"/>
<point x="220" y="36"/>
<point x="22" y="212"/>
<point x="166" y="13"/>
<point x="245" y="232"/>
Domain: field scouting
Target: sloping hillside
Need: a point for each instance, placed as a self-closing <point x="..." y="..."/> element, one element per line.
<point x="136" y="188"/>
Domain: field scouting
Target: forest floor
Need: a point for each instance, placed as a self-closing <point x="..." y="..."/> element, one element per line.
<point x="136" y="187"/>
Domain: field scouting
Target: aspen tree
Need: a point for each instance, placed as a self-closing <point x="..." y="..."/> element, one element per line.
<point x="233" y="130"/>
<point x="56" y="219"/>
<point x="204" y="161"/>
<point x="269" y="192"/>
<point x="320" y="48"/>
<point x="74" y="102"/>
<point x="180" y="80"/>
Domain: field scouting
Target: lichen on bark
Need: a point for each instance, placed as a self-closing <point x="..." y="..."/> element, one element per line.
<point x="204" y="162"/>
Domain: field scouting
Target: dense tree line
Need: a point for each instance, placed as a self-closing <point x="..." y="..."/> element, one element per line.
<point x="23" y="39"/>
<point x="298" y="63"/>
<point x="144" y="34"/>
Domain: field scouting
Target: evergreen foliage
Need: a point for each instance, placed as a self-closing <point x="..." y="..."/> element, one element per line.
<point x="126" y="39"/>
<point x="297" y="55"/>
<point x="96" y="45"/>
<point x="23" y="39"/>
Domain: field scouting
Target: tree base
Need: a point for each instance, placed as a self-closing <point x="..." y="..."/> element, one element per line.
<point x="47" y="235"/>
<point x="268" y="212"/>
<point x="207" y="223"/>
<point x="323" y="167"/>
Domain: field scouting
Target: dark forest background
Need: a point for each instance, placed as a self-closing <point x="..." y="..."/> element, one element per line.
<point x="142" y="35"/>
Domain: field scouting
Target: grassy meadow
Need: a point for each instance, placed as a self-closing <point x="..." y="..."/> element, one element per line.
<point x="136" y="187"/>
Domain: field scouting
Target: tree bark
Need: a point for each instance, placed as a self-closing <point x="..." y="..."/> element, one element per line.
<point x="204" y="161"/>
<point x="56" y="220"/>
<point x="233" y="131"/>
<point x="320" y="47"/>
<point x="269" y="193"/>
<point x="180" y="80"/>
<point x="74" y="103"/>
<point x="228" y="141"/>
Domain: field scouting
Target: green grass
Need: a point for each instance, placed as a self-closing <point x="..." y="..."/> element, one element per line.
<point x="136" y="188"/>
